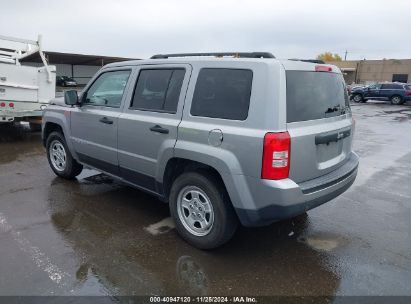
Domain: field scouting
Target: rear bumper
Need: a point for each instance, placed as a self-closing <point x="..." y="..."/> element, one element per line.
<point x="10" y="116"/>
<point x="276" y="200"/>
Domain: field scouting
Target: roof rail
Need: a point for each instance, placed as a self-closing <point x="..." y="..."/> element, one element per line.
<point x="308" y="60"/>
<point x="221" y="54"/>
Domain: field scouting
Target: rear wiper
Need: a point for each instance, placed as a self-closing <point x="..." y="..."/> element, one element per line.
<point x="334" y="109"/>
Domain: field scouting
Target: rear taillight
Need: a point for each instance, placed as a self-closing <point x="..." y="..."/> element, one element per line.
<point x="2" y="104"/>
<point x="276" y="156"/>
<point x="323" y="68"/>
<point x="408" y="92"/>
<point x="11" y="105"/>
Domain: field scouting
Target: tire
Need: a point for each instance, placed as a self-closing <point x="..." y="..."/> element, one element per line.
<point x="357" y="98"/>
<point x="211" y="202"/>
<point x="396" y="100"/>
<point x="61" y="161"/>
<point x="34" y="127"/>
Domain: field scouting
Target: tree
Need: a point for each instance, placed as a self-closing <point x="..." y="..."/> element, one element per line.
<point x="328" y="56"/>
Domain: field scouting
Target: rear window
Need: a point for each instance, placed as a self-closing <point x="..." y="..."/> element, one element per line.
<point x="315" y="95"/>
<point x="222" y="93"/>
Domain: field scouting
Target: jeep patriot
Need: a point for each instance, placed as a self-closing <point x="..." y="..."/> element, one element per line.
<point x="223" y="138"/>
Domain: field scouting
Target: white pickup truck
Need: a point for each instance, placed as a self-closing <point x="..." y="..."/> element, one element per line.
<point x="25" y="91"/>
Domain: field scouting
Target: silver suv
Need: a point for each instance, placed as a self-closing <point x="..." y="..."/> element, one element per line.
<point x="223" y="140"/>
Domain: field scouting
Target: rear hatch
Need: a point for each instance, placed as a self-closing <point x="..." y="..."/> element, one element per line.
<point x="318" y="120"/>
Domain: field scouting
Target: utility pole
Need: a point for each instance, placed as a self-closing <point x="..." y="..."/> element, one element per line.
<point x="345" y="56"/>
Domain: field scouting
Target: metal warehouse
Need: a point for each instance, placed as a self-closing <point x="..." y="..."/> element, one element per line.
<point x="78" y="66"/>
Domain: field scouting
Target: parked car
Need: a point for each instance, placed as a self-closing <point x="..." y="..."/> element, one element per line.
<point x="351" y="87"/>
<point x="396" y="93"/>
<point x="221" y="140"/>
<point x="65" y="81"/>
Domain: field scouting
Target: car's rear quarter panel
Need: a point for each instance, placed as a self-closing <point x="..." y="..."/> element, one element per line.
<point x="240" y="152"/>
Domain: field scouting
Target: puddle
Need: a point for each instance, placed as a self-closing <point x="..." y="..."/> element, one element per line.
<point x="98" y="179"/>
<point x="323" y="243"/>
<point x="161" y="227"/>
<point x="88" y="283"/>
<point x="405" y="114"/>
<point x="21" y="189"/>
<point x="192" y="277"/>
<point x="402" y="118"/>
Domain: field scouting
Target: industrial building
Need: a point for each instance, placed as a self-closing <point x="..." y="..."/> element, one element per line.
<point x="371" y="71"/>
<point x="80" y="67"/>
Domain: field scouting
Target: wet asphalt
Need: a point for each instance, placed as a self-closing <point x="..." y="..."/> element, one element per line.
<point x="95" y="236"/>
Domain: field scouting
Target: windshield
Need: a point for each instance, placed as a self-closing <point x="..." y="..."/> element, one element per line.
<point x="315" y="95"/>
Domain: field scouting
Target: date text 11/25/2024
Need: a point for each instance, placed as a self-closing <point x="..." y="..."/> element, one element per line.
<point x="203" y="299"/>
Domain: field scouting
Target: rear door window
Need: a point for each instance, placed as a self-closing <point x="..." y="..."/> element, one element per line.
<point x="222" y="93"/>
<point x="391" y="86"/>
<point x="158" y="90"/>
<point x="315" y="95"/>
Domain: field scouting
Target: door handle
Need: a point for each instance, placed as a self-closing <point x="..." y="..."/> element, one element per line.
<point x="106" y="121"/>
<point x="159" y="129"/>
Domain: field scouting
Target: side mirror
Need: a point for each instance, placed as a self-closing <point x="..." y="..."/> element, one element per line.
<point x="71" y="97"/>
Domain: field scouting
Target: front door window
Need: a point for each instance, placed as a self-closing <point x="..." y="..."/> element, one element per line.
<point x="108" y="89"/>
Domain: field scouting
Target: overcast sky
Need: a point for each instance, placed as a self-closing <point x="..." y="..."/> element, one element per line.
<point x="287" y="28"/>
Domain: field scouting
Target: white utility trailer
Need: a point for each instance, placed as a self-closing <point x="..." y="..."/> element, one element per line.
<point x="24" y="90"/>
